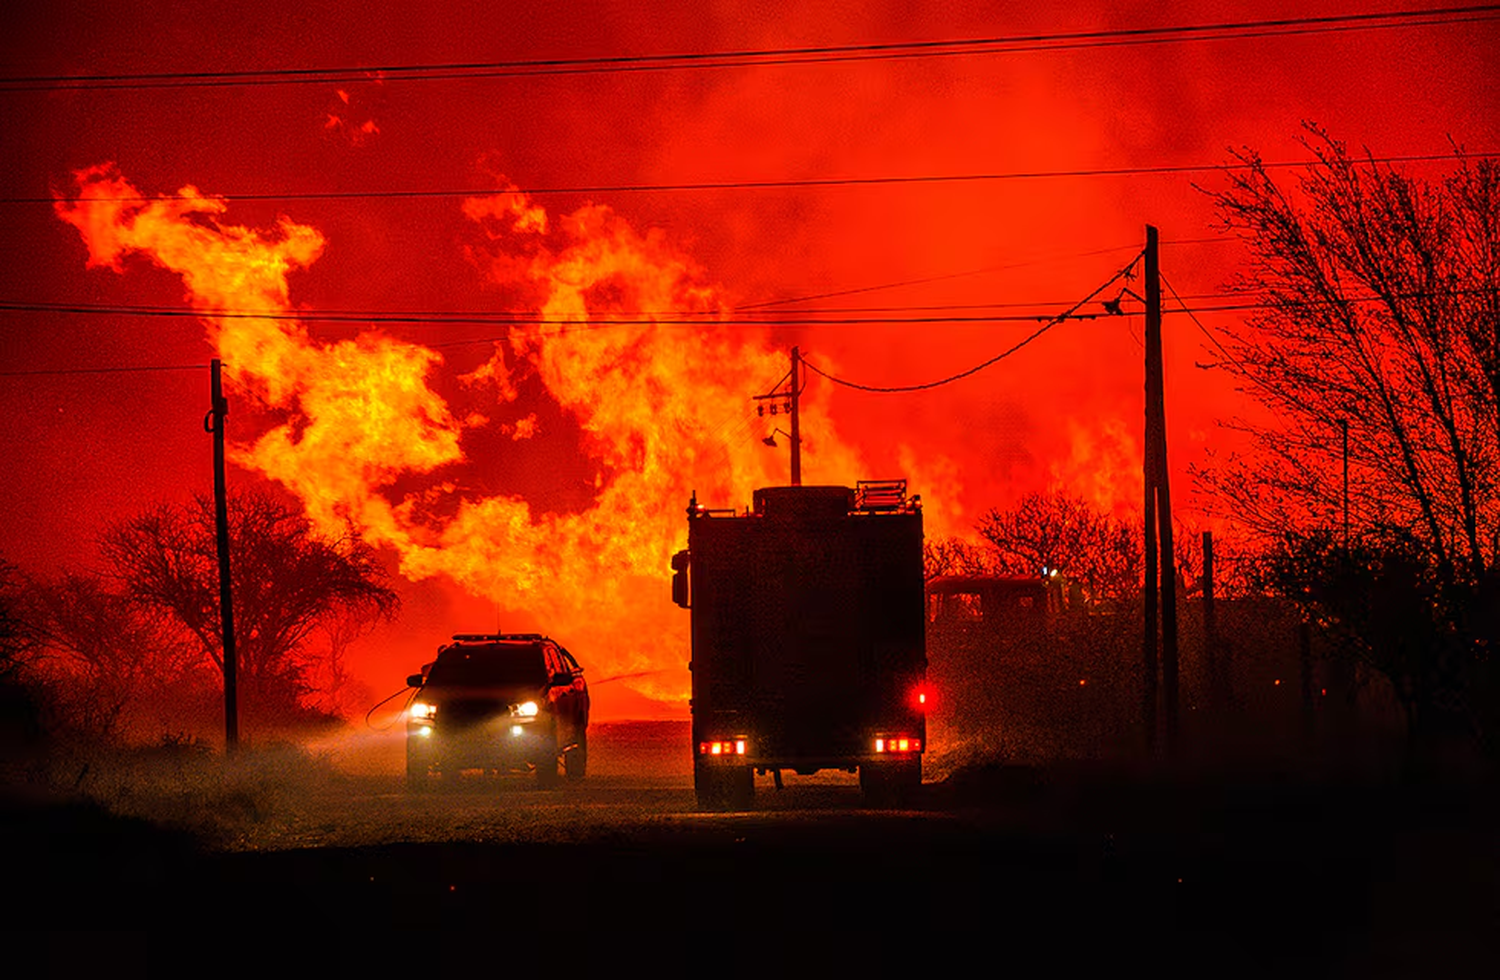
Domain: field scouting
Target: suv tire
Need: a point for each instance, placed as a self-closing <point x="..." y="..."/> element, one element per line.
<point x="576" y="761"/>
<point x="546" y="767"/>
<point x="418" y="763"/>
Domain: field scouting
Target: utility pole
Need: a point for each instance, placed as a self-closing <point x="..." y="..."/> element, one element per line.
<point x="1149" y="661"/>
<point x="791" y="401"/>
<point x="1160" y="560"/>
<point x="796" y="426"/>
<point x="213" y="422"/>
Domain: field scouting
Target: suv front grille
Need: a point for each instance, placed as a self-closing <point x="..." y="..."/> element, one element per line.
<point x="466" y="712"/>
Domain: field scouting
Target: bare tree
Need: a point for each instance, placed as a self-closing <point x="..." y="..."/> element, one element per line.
<point x="103" y="653"/>
<point x="1381" y="318"/>
<point x="336" y="690"/>
<point x="1382" y="315"/>
<point x="956" y="556"/>
<point x="24" y="699"/>
<point x="17" y="639"/>
<point x="289" y="582"/>
<point x="1096" y="551"/>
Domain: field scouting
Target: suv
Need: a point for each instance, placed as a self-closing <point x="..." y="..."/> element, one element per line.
<point x="502" y="703"/>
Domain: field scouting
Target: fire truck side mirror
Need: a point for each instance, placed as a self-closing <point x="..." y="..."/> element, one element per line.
<point x="680" y="579"/>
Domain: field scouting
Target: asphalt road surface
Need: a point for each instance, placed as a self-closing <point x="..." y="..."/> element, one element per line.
<point x="1059" y="867"/>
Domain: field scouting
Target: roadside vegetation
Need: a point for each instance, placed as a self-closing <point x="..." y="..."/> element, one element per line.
<point x="1363" y="526"/>
<point x="1355" y="549"/>
<point x="111" y="682"/>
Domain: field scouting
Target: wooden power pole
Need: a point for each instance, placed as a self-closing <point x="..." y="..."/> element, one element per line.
<point x="796" y="417"/>
<point x="791" y="401"/>
<point x="214" y="423"/>
<point x="1161" y="565"/>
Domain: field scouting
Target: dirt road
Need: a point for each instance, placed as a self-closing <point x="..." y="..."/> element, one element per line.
<point x="1048" y="867"/>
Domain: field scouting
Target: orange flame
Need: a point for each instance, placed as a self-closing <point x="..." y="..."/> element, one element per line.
<point x="658" y="400"/>
<point x="1103" y="466"/>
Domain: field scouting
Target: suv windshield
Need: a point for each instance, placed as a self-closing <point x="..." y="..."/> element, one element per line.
<point x="489" y="666"/>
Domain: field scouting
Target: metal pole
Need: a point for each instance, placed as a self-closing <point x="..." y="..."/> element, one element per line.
<point x="796" y="428"/>
<point x="1344" y="427"/>
<point x="1211" y="667"/>
<point x="1309" y="704"/>
<point x="215" y="424"/>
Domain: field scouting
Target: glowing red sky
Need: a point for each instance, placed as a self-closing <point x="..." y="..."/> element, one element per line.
<point x="84" y="449"/>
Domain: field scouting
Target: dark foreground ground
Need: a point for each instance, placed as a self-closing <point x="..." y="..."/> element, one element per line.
<point x="993" y="869"/>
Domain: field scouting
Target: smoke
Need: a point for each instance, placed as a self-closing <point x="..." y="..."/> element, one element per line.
<point x="547" y="472"/>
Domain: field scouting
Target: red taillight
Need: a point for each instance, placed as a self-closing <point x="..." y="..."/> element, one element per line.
<point x="920" y="697"/>
<point x="886" y="744"/>
<point x="723" y="746"/>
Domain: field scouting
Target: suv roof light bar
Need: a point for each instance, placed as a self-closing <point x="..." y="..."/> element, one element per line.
<point x="490" y="637"/>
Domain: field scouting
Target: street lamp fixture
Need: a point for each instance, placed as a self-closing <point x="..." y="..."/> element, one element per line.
<point x="770" y="440"/>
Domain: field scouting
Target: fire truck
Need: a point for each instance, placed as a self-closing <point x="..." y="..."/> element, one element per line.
<point x="808" y="640"/>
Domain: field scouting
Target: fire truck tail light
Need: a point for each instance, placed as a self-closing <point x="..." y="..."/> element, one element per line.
<point x="897" y="743"/>
<point x="726" y="746"/>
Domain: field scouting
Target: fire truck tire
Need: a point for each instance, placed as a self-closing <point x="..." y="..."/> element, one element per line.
<point x="722" y="788"/>
<point x="576" y="762"/>
<point x="742" y="788"/>
<point x="706" y="784"/>
<point x="890" y="783"/>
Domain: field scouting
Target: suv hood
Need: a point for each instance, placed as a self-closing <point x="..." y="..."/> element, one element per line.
<point x="500" y="694"/>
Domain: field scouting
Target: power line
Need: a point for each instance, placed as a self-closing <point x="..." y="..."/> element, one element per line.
<point x="602" y="320"/>
<point x="762" y="57"/>
<point x="1201" y="328"/>
<point x="1050" y="320"/>
<point x="922" y="281"/>
<point x="116" y="369"/>
<point x="847" y="316"/>
<point x="1214" y="340"/>
<point x="1041" y="260"/>
<point x="726" y="185"/>
<point x="1070" y="314"/>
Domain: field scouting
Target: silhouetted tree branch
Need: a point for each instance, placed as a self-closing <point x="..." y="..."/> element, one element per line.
<point x="1382" y="315"/>
<point x="104" y="651"/>
<point x="956" y="556"/>
<point x="1097" y="551"/>
<point x="17" y="637"/>
<point x="1383" y="312"/>
<point x="288" y="582"/>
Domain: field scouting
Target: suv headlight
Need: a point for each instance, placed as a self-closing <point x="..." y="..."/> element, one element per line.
<point x="526" y="709"/>
<point x="421" y="710"/>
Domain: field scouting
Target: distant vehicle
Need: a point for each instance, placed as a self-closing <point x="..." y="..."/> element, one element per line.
<point x="501" y="703"/>
<point x="808" y="640"/>
<point x="996" y="601"/>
